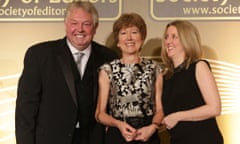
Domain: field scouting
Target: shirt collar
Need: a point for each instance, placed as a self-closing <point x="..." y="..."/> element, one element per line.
<point x="74" y="50"/>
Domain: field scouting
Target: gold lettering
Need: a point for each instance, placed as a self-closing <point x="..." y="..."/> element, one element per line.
<point x="93" y="1"/>
<point x="160" y="1"/>
<point x="67" y="1"/>
<point x="54" y="1"/>
<point x="5" y="3"/>
<point x="59" y="1"/>
<point x="224" y="2"/>
<point x="113" y="1"/>
<point x="30" y="1"/>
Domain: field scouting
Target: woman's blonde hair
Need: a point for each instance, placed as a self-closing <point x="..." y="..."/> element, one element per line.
<point x="189" y="38"/>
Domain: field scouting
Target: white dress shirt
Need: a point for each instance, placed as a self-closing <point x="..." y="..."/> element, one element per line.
<point x="85" y="57"/>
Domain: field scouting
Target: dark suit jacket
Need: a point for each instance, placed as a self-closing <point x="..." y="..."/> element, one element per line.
<point x="46" y="107"/>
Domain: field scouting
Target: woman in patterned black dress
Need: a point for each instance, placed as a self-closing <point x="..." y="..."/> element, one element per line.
<point x="190" y="97"/>
<point x="128" y="104"/>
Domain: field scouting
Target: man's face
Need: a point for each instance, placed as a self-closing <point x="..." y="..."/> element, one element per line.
<point x="80" y="28"/>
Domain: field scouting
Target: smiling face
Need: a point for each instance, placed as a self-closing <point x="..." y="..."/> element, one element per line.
<point x="173" y="45"/>
<point x="80" y="28"/>
<point x="130" y="40"/>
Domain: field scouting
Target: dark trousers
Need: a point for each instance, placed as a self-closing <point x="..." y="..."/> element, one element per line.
<point x="76" y="136"/>
<point x="80" y="137"/>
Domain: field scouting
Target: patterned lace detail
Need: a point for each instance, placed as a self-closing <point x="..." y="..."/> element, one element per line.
<point x="132" y="88"/>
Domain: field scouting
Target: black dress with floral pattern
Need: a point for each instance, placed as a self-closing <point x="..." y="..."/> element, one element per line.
<point x="132" y="90"/>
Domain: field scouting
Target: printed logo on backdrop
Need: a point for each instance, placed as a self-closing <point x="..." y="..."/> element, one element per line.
<point x="195" y="9"/>
<point x="52" y="10"/>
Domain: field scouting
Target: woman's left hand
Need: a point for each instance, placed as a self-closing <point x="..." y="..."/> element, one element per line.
<point x="170" y="120"/>
<point x="144" y="133"/>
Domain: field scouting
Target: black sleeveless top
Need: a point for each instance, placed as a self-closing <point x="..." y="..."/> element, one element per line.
<point x="181" y="92"/>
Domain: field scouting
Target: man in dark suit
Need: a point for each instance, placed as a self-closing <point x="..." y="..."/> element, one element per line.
<point x="55" y="104"/>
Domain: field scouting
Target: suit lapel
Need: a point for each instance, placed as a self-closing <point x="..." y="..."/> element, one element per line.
<point x="64" y="59"/>
<point x="96" y="61"/>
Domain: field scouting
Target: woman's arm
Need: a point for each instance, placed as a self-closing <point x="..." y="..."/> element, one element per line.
<point x="208" y="88"/>
<point x="101" y="114"/>
<point x="158" y="116"/>
<point x="103" y="95"/>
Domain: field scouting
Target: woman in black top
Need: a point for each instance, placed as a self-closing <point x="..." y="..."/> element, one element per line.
<point x="190" y="97"/>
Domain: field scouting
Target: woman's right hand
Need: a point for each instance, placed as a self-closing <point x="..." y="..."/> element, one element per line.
<point x="128" y="132"/>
